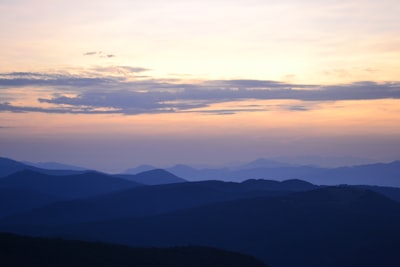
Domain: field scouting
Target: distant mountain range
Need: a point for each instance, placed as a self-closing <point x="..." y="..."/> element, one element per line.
<point x="148" y="177"/>
<point x="382" y="174"/>
<point x="9" y="166"/>
<point x="66" y="186"/>
<point x="152" y="177"/>
<point x="55" y="166"/>
<point x="284" y="223"/>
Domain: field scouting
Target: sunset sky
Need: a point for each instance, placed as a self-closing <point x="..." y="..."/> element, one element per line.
<point x="114" y="84"/>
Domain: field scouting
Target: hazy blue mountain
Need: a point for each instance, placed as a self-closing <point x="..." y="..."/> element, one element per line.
<point x="151" y="200"/>
<point x="55" y="166"/>
<point x="277" y="173"/>
<point x="18" y="251"/>
<point x="153" y="177"/>
<point x="263" y="163"/>
<point x="9" y="166"/>
<point x="139" y="169"/>
<point x="331" y="226"/>
<point x="383" y="174"/>
<point x="69" y="186"/>
<point x="193" y="174"/>
<point x="241" y="174"/>
<point x="324" y="162"/>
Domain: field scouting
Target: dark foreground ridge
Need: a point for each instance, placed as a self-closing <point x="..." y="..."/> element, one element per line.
<point x="28" y="252"/>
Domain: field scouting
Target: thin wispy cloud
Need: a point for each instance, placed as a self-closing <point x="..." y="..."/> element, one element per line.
<point x="118" y="94"/>
<point x="91" y="53"/>
<point x="119" y="70"/>
<point x="99" y="54"/>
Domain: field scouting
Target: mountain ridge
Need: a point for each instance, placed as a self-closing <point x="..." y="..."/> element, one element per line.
<point x="68" y="186"/>
<point x="335" y="226"/>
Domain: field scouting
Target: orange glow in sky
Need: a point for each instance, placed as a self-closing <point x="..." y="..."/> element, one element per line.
<point x="123" y="83"/>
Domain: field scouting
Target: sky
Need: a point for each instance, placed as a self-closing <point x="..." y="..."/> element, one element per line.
<point x="110" y="85"/>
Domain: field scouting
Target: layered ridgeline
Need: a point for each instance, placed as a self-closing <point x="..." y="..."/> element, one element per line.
<point x="330" y="226"/>
<point x="381" y="174"/>
<point x="287" y="223"/>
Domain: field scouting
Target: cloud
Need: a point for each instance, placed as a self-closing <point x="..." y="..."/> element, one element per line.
<point x="105" y="90"/>
<point x="76" y="110"/>
<point x="91" y="53"/>
<point x="119" y="69"/>
<point x="99" y="54"/>
<point x="17" y="79"/>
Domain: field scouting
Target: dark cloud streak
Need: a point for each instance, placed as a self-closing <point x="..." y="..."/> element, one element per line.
<point x="23" y="109"/>
<point x="99" y="54"/>
<point x="91" y="53"/>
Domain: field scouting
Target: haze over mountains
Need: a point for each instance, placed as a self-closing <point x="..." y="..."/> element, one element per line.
<point x="284" y="221"/>
<point x="54" y="166"/>
<point x="370" y="174"/>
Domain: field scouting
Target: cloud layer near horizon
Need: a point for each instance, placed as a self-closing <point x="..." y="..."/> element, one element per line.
<point x="125" y="90"/>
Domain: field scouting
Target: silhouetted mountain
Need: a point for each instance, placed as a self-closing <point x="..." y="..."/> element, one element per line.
<point x="383" y="174"/>
<point x="9" y="166"/>
<point x="68" y="186"/>
<point x="332" y="226"/>
<point x="139" y="169"/>
<point x="153" y="177"/>
<point x="21" y="251"/>
<point x="279" y="173"/>
<point x="14" y="201"/>
<point x="272" y="173"/>
<point x="390" y="192"/>
<point x="145" y="201"/>
<point x="323" y="162"/>
<point x="193" y="174"/>
<point x="263" y="163"/>
<point x="288" y="185"/>
<point x="151" y="200"/>
<point x="55" y="166"/>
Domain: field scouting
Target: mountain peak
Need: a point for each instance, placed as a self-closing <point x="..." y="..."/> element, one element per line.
<point x="139" y="169"/>
<point x="154" y="177"/>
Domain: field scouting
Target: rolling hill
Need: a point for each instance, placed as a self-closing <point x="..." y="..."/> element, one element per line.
<point x="330" y="226"/>
<point x="152" y="200"/>
<point x="19" y="251"/>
